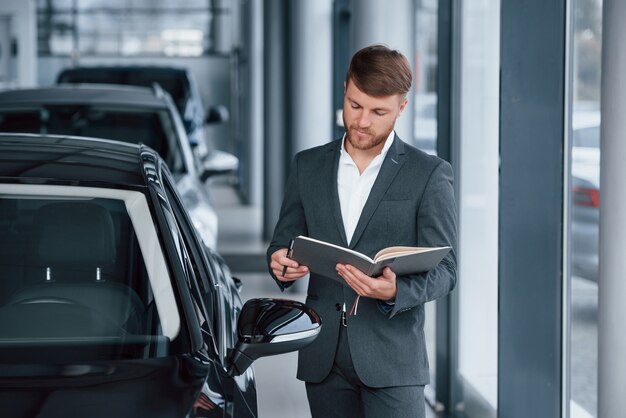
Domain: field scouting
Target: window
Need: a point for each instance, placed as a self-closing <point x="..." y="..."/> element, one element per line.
<point x="478" y="200"/>
<point x="425" y="138"/>
<point x="426" y="76"/>
<point x="584" y="208"/>
<point x="204" y="284"/>
<point x="72" y="275"/>
<point x="128" y="28"/>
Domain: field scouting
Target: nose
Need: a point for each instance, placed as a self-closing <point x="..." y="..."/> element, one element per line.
<point x="364" y="119"/>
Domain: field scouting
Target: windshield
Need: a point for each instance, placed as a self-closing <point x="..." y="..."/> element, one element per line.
<point x="152" y="128"/>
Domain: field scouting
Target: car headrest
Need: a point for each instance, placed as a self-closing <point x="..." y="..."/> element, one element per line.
<point x="76" y="232"/>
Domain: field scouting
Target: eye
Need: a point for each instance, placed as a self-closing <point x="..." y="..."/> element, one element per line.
<point x="379" y="113"/>
<point x="354" y="106"/>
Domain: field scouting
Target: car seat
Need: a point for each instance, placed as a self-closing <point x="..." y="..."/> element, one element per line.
<point x="72" y="260"/>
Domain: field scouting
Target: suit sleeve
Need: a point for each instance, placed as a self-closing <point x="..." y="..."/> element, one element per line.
<point x="436" y="224"/>
<point x="291" y="221"/>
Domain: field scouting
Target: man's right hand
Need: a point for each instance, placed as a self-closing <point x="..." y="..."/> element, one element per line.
<point x="294" y="270"/>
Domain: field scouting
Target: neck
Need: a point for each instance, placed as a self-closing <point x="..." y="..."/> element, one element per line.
<point x="363" y="158"/>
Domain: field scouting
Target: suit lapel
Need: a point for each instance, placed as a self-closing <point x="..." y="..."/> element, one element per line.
<point x="388" y="171"/>
<point x="334" y="193"/>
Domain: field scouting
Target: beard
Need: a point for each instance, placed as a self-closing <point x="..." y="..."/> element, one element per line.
<point x="363" y="145"/>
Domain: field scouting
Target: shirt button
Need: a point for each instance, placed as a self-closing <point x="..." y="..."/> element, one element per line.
<point x="337" y="307"/>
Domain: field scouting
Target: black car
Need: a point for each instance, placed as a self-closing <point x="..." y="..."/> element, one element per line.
<point x="178" y="82"/>
<point x="110" y="305"/>
<point x="123" y="113"/>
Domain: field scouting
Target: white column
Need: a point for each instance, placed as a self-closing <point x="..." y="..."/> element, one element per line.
<point x="23" y="19"/>
<point x="253" y="132"/>
<point x="612" y="283"/>
<point x="5" y="51"/>
<point x="311" y="73"/>
<point x="390" y="23"/>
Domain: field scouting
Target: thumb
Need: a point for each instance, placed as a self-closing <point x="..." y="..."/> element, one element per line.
<point x="388" y="274"/>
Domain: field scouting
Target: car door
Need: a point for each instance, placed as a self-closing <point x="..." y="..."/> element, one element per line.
<point x="217" y="300"/>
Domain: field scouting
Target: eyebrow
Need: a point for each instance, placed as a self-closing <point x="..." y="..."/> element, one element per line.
<point x="377" y="109"/>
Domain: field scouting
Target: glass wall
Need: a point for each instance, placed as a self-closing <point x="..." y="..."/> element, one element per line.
<point x="128" y="28"/>
<point x="425" y="137"/>
<point x="584" y="206"/>
<point x="476" y="80"/>
<point x="426" y="75"/>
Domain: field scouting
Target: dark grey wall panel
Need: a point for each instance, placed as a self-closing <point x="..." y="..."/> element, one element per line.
<point x="533" y="40"/>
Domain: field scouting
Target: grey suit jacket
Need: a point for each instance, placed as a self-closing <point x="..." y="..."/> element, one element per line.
<point x="411" y="204"/>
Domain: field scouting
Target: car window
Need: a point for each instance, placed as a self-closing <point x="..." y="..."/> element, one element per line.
<point x="92" y="76"/>
<point x="175" y="83"/>
<point x="202" y="282"/>
<point x="152" y="128"/>
<point x="72" y="270"/>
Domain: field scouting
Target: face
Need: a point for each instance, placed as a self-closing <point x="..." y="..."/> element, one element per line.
<point x="369" y="120"/>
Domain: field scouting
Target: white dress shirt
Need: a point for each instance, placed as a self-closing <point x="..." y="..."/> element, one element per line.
<point x="354" y="188"/>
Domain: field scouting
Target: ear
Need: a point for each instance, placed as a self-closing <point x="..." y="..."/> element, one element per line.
<point x="345" y="87"/>
<point x="403" y="105"/>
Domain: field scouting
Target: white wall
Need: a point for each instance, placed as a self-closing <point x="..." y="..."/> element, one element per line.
<point x="21" y="19"/>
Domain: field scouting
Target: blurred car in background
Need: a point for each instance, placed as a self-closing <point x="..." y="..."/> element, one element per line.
<point x="124" y="113"/>
<point x="110" y="304"/>
<point x="585" y="207"/>
<point x="178" y="82"/>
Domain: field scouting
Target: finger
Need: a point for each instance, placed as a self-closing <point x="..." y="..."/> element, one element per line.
<point x="352" y="281"/>
<point x="296" y="272"/>
<point x="290" y="273"/>
<point x="285" y="261"/>
<point x="388" y="274"/>
<point x="278" y="254"/>
<point x="286" y="277"/>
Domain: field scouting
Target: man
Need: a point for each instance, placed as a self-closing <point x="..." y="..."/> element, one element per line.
<point x="367" y="191"/>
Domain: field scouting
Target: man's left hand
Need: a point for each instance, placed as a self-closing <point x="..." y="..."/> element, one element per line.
<point x="382" y="287"/>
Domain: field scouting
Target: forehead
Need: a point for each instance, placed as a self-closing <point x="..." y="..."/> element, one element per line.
<point x="353" y="93"/>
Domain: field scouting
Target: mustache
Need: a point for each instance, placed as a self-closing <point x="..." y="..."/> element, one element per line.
<point x="366" y="130"/>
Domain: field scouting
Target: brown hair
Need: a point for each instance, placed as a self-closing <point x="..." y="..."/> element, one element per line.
<point x="379" y="71"/>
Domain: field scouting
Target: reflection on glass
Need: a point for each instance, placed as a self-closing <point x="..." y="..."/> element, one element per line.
<point x="584" y="207"/>
<point x="425" y="130"/>
<point x="426" y="76"/>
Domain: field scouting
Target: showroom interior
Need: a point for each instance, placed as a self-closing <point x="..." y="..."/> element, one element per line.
<point x="509" y="92"/>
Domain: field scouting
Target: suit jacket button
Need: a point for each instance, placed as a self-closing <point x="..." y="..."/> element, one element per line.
<point x="337" y="307"/>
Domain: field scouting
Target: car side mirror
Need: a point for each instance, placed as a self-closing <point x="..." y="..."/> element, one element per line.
<point x="268" y="327"/>
<point x="217" y="114"/>
<point x="218" y="162"/>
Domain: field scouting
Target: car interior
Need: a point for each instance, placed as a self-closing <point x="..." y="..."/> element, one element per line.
<point x="72" y="270"/>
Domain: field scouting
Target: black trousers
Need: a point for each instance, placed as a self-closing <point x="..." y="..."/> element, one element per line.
<point x="343" y="395"/>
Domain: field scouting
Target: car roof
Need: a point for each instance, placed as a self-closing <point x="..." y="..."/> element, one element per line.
<point x="67" y="160"/>
<point x="80" y="94"/>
